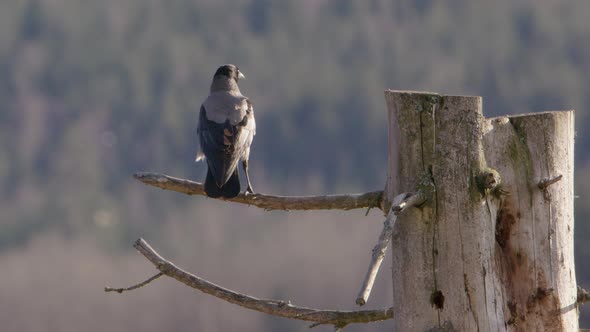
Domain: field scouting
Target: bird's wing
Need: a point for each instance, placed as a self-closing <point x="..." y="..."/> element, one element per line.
<point x="246" y="130"/>
<point x="200" y="155"/>
<point x="224" y="144"/>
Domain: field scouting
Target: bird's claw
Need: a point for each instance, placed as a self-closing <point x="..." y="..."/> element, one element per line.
<point x="249" y="191"/>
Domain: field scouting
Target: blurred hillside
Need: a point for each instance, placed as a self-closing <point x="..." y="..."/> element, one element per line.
<point x="91" y="92"/>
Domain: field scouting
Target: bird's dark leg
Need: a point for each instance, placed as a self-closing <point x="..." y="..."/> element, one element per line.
<point x="245" y="166"/>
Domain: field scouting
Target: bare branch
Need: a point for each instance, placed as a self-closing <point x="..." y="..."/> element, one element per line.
<point x="130" y="288"/>
<point x="269" y="202"/>
<point x="399" y="204"/>
<point x="376" y="259"/>
<point x="272" y="307"/>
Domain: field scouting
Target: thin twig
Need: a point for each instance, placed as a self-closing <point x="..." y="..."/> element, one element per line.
<point x="269" y="202"/>
<point x="141" y="284"/>
<point x="399" y="204"/>
<point x="271" y="307"/>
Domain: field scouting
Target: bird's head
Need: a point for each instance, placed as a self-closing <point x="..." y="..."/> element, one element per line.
<point x="230" y="72"/>
<point x="226" y="78"/>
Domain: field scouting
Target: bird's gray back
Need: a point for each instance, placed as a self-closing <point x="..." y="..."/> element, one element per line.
<point x="224" y="105"/>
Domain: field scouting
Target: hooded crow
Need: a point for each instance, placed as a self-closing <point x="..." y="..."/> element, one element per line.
<point x="225" y="130"/>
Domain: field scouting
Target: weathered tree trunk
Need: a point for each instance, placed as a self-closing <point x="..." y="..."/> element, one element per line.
<point x="479" y="256"/>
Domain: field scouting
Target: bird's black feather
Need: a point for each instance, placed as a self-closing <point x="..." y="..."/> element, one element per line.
<point x="218" y="142"/>
<point x="229" y="190"/>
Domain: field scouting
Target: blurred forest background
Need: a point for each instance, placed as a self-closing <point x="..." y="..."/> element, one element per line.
<point x="92" y="91"/>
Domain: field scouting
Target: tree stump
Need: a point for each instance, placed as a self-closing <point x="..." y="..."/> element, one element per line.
<point x="492" y="247"/>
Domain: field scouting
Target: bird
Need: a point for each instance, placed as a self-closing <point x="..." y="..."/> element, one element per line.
<point x="226" y="128"/>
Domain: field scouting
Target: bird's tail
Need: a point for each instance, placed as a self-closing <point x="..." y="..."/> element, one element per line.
<point x="229" y="190"/>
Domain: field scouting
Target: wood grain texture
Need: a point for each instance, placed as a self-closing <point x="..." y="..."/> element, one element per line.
<point x="487" y="258"/>
<point x="535" y="251"/>
<point x="410" y="139"/>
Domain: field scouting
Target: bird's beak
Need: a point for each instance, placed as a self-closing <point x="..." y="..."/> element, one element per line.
<point x="240" y="75"/>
